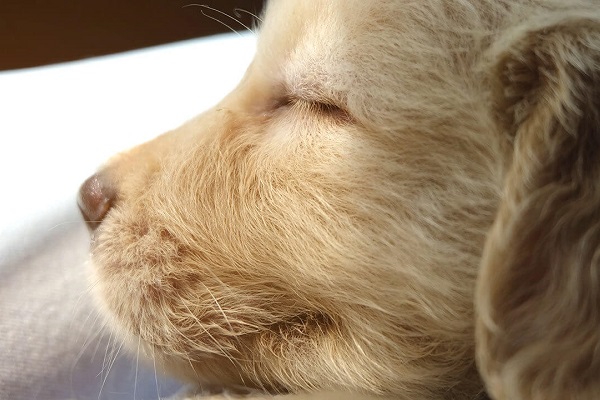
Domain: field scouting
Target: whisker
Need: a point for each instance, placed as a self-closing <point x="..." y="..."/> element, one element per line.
<point x="189" y="360"/>
<point x="102" y="328"/>
<point x="218" y="306"/>
<point x="137" y="364"/>
<point x="104" y="362"/>
<point x="93" y="334"/>
<point x="155" y="376"/>
<point x="233" y="360"/>
<point x="106" y="354"/>
<point x="201" y="325"/>
<point x="239" y="10"/>
<point x="204" y="6"/>
<point x="112" y="362"/>
<point x="90" y="338"/>
<point x="74" y="221"/>
<point x="83" y="293"/>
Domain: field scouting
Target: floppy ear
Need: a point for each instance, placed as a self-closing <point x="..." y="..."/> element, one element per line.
<point x="538" y="295"/>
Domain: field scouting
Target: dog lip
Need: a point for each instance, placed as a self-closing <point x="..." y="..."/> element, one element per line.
<point x="94" y="200"/>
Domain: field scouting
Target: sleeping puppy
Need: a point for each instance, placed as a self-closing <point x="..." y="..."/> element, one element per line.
<point x="395" y="192"/>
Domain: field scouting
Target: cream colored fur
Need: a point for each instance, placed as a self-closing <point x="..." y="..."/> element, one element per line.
<point x="323" y="227"/>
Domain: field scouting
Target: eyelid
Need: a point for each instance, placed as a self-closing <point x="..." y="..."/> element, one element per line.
<point x="319" y="106"/>
<point x="332" y="110"/>
<point x="325" y="107"/>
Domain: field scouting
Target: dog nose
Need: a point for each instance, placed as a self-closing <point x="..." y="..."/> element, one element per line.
<point x="96" y="196"/>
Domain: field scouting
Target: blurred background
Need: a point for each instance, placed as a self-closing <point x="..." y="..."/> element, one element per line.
<point x="40" y="32"/>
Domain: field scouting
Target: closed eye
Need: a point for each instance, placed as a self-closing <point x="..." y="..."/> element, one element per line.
<point x="331" y="110"/>
<point x="320" y="108"/>
<point x="327" y="108"/>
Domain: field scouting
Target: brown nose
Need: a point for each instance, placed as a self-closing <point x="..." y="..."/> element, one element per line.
<point x="96" y="196"/>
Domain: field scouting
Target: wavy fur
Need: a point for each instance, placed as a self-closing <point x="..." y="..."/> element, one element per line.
<point x="324" y="226"/>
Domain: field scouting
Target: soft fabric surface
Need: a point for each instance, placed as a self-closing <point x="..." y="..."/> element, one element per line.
<point x="57" y="124"/>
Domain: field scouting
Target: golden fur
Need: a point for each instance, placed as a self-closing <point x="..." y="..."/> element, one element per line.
<point x="326" y="225"/>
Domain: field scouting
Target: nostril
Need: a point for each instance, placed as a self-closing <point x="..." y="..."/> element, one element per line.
<point x="95" y="199"/>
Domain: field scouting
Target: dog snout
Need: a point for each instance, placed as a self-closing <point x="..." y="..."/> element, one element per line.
<point x="96" y="197"/>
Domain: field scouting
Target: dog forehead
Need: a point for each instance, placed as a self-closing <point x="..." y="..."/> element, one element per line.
<point x="310" y="45"/>
<point x="381" y="59"/>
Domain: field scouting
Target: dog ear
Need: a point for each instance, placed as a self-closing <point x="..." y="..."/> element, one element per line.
<point x="538" y="294"/>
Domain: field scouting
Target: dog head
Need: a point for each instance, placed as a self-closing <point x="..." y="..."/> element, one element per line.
<point x="323" y="225"/>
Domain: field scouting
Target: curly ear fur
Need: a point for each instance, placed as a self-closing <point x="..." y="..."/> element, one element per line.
<point x="538" y="295"/>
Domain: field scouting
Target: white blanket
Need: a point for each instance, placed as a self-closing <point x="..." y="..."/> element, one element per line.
<point x="57" y="125"/>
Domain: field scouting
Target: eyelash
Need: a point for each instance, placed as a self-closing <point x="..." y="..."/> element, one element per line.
<point x="325" y="107"/>
<point x="320" y="107"/>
